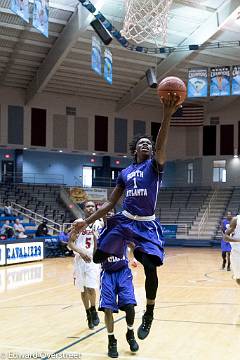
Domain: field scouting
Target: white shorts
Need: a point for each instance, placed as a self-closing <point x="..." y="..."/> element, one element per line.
<point x="235" y="260"/>
<point x="86" y="274"/>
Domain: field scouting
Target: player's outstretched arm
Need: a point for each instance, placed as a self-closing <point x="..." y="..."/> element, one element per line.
<point x="72" y="246"/>
<point x="169" y="108"/>
<point x="79" y="224"/>
<point x="230" y="230"/>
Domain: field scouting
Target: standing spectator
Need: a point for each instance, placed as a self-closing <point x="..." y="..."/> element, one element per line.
<point x="63" y="238"/>
<point x="19" y="229"/>
<point x="42" y="229"/>
<point x="8" y="210"/>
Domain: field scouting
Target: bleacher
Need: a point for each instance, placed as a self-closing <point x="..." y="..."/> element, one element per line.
<point x="41" y="199"/>
<point x="180" y="205"/>
<point x="185" y="206"/>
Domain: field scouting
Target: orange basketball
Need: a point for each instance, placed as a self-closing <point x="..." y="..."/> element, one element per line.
<point x="172" y="84"/>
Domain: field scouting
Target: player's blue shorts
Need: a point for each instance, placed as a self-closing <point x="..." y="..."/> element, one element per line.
<point x="146" y="235"/>
<point x="226" y="246"/>
<point x="116" y="289"/>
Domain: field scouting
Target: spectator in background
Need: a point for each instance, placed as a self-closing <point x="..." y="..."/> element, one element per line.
<point x="19" y="229"/>
<point x="8" y="210"/>
<point x="63" y="238"/>
<point x="42" y="229"/>
<point x="7" y="230"/>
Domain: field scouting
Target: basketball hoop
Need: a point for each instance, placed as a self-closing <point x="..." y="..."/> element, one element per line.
<point x="146" y="20"/>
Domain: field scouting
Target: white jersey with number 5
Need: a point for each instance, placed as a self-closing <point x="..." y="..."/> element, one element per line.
<point x="85" y="240"/>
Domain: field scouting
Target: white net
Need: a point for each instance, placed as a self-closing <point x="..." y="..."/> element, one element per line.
<point x="146" y="20"/>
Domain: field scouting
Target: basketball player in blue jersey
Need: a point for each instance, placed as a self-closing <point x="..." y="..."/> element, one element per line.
<point x="117" y="292"/>
<point x="226" y="246"/>
<point x="136" y="223"/>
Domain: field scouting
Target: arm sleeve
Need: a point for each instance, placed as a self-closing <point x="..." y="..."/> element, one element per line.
<point x="120" y="181"/>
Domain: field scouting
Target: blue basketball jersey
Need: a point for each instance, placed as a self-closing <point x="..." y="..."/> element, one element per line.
<point x="225" y="224"/>
<point x="225" y="246"/>
<point x="113" y="263"/>
<point x="141" y="183"/>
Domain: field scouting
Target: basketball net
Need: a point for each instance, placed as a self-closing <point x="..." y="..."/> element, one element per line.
<point x="146" y="20"/>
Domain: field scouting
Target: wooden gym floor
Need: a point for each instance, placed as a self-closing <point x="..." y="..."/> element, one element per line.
<point x="197" y="313"/>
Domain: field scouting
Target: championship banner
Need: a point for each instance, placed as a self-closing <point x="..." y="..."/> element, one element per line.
<point x="21" y="8"/>
<point x="197" y="82"/>
<point x="79" y="195"/>
<point x="108" y="66"/>
<point x="236" y="80"/>
<point x="40" y="16"/>
<point x="96" y="55"/>
<point x="220" y="81"/>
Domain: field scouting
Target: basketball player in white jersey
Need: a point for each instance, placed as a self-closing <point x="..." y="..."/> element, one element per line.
<point x="232" y="235"/>
<point x="86" y="272"/>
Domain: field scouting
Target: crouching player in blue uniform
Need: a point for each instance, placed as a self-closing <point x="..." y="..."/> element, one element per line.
<point x="117" y="292"/>
<point x="140" y="182"/>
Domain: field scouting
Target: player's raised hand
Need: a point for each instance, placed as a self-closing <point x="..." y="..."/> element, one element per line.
<point x="79" y="225"/>
<point x="171" y="103"/>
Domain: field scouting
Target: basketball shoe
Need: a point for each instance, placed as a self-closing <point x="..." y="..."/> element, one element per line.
<point x="112" y="349"/>
<point x="132" y="341"/>
<point x="145" y="326"/>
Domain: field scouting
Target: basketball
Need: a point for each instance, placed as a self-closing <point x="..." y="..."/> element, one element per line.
<point x="172" y="84"/>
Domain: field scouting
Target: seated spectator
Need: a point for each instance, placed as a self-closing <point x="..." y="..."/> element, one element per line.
<point x="19" y="229"/>
<point x="63" y="238"/>
<point x="7" y="230"/>
<point x="8" y="210"/>
<point x="42" y="229"/>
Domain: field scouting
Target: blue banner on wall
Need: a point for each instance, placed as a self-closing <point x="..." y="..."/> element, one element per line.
<point x="40" y="16"/>
<point x="220" y="81"/>
<point x="108" y="66"/>
<point x="21" y="8"/>
<point x="96" y="55"/>
<point x="169" y="231"/>
<point x="236" y="80"/>
<point x="198" y="82"/>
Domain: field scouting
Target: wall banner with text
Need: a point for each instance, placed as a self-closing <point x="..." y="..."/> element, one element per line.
<point x="21" y="8"/>
<point x="198" y="82"/>
<point x="220" y="81"/>
<point x="40" y="16"/>
<point x="96" y="55"/>
<point x="108" y="66"/>
<point x="236" y="80"/>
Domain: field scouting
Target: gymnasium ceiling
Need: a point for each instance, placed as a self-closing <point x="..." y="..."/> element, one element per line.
<point x="62" y="63"/>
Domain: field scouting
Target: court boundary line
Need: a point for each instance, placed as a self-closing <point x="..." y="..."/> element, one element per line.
<point x="83" y="338"/>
